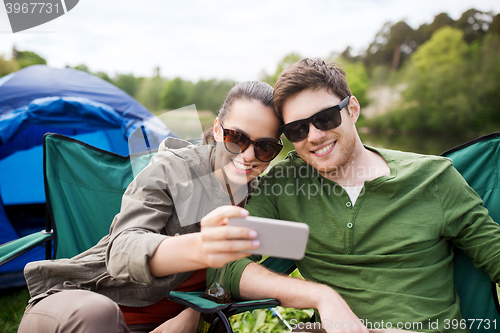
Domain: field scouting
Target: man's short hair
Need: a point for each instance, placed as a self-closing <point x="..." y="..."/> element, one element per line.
<point x="309" y="73"/>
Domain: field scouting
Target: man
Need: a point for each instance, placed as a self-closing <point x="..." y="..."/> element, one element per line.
<point x="382" y="223"/>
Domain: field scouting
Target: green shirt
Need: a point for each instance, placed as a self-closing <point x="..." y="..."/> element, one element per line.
<point x="390" y="254"/>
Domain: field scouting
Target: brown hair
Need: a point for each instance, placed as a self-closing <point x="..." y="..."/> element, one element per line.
<point x="309" y="73"/>
<point x="249" y="90"/>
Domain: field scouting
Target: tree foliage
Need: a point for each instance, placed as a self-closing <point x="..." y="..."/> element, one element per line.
<point x="288" y="60"/>
<point x="209" y="94"/>
<point x="174" y="95"/>
<point x="452" y="86"/>
<point x="149" y="92"/>
<point x="128" y="83"/>
<point x="27" y="58"/>
<point x="7" y="66"/>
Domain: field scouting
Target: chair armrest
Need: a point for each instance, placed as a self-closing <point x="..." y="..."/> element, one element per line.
<point x="18" y="247"/>
<point x="203" y="305"/>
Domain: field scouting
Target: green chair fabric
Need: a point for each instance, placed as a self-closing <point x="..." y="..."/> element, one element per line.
<point x="83" y="186"/>
<point x="479" y="163"/>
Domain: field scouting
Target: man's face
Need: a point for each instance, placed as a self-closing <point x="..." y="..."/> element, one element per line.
<point x="328" y="150"/>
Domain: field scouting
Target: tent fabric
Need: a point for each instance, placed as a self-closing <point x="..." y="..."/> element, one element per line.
<point x="62" y="112"/>
<point x="78" y="115"/>
<point x="479" y="163"/>
<point x="39" y="81"/>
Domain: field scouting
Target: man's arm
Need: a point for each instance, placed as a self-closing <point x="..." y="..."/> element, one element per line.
<point x="257" y="282"/>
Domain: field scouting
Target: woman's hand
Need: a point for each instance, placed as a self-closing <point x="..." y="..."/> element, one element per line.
<point x="222" y="243"/>
<point x="184" y="322"/>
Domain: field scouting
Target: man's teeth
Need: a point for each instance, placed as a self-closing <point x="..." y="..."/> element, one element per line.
<point x="324" y="149"/>
<point x="241" y="166"/>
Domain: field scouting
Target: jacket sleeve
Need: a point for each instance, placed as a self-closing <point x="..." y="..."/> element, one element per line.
<point x="140" y="227"/>
<point x="468" y="224"/>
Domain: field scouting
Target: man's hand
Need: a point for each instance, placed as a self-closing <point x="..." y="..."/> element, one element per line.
<point x="184" y="322"/>
<point x="257" y="282"/>
<point x="336" y="315"/>
<point x="221" y="243"/>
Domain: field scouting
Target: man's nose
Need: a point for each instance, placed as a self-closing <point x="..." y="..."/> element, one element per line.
<point x="315" y="135"/>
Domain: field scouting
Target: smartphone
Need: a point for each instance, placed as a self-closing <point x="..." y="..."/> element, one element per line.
<point x="278" y="238"/>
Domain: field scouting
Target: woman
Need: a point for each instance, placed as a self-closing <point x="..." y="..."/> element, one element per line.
<point x="139" y="262"/>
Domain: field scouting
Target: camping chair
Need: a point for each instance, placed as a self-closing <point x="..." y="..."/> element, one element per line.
<point x="479" y="163"/>
<point x="223" y="311"/>
<point x="83" y="186"/>
<point x="13" y="249"/>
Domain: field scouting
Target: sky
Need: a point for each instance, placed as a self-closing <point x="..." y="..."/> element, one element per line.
<point x="203" y="39"/>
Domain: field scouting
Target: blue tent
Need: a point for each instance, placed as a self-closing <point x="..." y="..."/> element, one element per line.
<point x="39" y="99"/>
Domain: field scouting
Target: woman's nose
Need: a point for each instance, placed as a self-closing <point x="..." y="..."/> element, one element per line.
<point x="249" y="153"/>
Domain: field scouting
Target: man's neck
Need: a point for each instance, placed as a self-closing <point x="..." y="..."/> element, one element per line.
<point x="365" y="165"/>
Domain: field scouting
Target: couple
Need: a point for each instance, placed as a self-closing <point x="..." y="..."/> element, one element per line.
<point x="380" y="223"/>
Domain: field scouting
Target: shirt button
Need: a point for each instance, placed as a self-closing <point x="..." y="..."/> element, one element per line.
<point x="349" y="225"/>
<point x="177" y="234"/>
<point x="348" y="204"/>
<point x="348" y="250"/>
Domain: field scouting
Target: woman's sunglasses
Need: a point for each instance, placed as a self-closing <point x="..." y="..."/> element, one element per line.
<point x="324" y="120"/>
<point x="236" y="143"/>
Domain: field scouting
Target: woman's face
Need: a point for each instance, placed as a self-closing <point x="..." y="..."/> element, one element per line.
<point x="257" y="122"/>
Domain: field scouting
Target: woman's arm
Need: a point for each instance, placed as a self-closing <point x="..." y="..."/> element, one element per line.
<point x="214" y="246"/>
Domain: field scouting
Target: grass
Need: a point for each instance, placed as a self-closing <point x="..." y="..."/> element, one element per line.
<point x="13" y="302"/>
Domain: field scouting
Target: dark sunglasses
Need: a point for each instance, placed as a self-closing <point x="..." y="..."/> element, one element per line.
<point x="324" y="120"/>
<point x="236" y="143"/>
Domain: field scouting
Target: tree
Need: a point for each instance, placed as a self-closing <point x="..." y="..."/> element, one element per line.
<point x="7" y="66"/>
<point x="174" y="94"/>
<point x="209" y="94"/>
<point x="474" y="24"/>
<point x="495" y="25"/>
<point x="393" y="44"/>
<point x="27" y="58"/>
<point x="128" y="83"/>
<point x="82" y="67"/>
<point x="104" y="76"/>
<point x="149" y="92"/>
<point x="288" y="60"/>
<point x="357" y="78"/>
<point x="437" y="82"/>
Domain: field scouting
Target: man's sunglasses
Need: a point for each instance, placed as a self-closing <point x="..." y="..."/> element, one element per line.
<point x="236" y="143"/>
<point x="324" y="120"/>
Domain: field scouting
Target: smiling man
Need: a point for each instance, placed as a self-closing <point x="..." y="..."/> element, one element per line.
<point x="382" y="222"/>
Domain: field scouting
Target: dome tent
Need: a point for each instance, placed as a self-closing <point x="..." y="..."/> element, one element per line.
<point x="39" y="99"/>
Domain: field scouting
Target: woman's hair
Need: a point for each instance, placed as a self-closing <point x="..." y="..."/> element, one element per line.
<point x="248" y="90"/>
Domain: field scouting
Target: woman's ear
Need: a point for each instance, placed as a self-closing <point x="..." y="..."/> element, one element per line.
<point x="218" y="135"/>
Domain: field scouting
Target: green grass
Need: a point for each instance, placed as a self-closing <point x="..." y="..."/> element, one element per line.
<point x="13" y="301"/>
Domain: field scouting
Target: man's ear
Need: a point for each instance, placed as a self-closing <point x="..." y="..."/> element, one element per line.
<point x="353" y="108"/>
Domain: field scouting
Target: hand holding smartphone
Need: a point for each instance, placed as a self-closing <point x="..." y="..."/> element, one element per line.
<point x="278" y="238"/>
